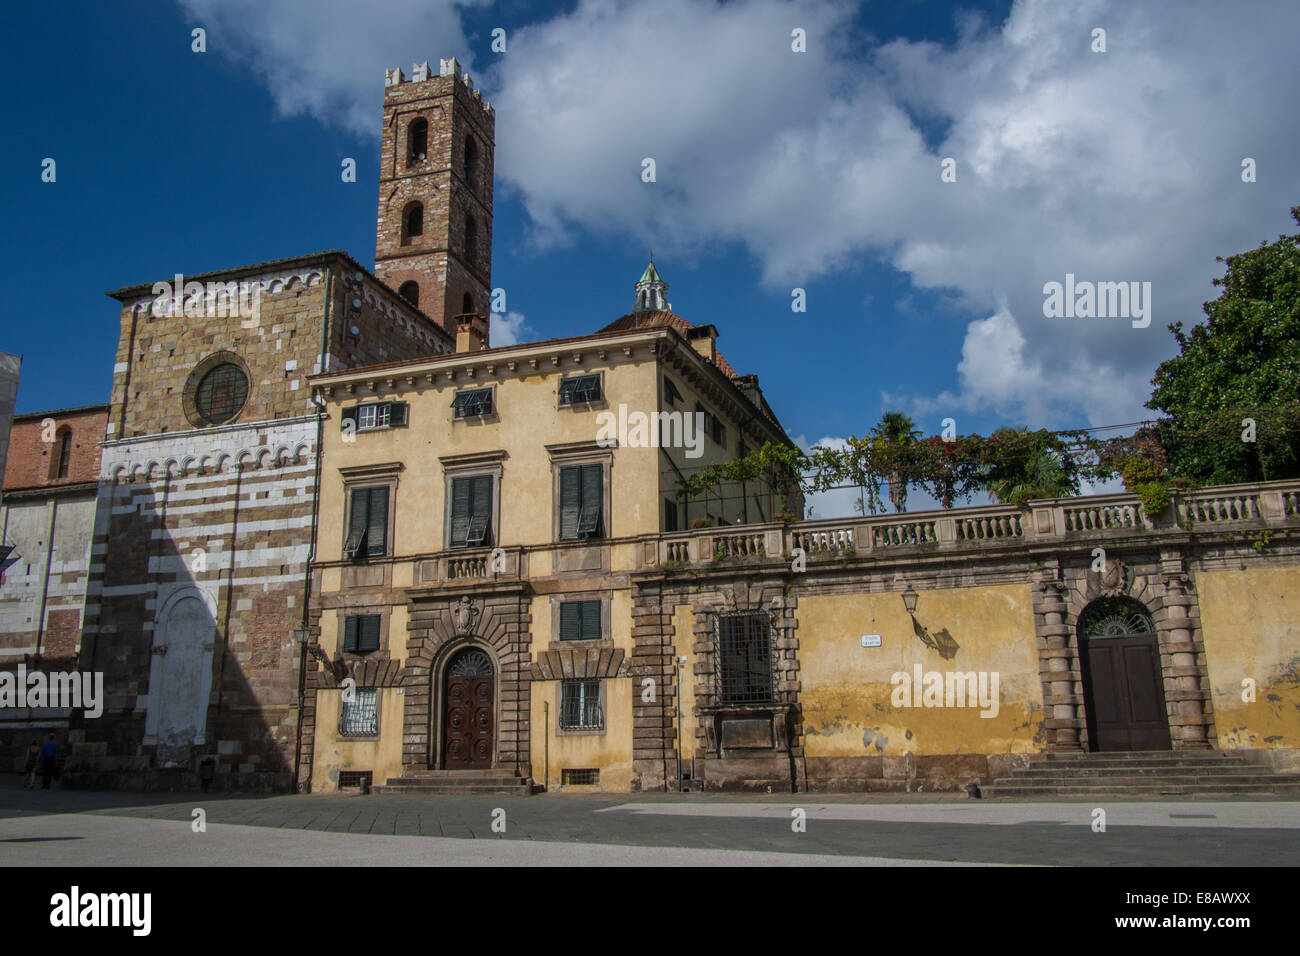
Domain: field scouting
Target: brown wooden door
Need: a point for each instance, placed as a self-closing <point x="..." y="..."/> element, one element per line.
<point x="1124" y="694"/>
<point x="469" y="702"/>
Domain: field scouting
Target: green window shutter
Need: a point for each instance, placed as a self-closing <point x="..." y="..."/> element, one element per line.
<point x="460" y="513"/>
<point x="377" y="526"/>
<point x="368" y="633"/>
<point x="570" y="501"/>
<point x="570" y="621"/>
<point x="357" y="521"/>
<point x="593" y="500"/>
<point x="396" y="413"/>
<point x="480" y="516"/>
<point x="350" y="634"/>
<point x="591" y="621"/>
<point x="348" y="415"/>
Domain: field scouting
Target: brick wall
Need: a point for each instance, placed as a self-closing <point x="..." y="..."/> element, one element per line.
<point x="33" y="460"/>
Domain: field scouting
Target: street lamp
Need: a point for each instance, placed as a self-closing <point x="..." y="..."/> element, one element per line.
<point x="909" y="600"/>
<point x="302" y="634"/>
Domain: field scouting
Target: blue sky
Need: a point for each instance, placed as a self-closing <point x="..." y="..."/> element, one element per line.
<point x="818" y="170"/>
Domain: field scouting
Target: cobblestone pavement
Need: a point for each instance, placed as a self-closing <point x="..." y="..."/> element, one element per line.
<point x="90" y="828"/>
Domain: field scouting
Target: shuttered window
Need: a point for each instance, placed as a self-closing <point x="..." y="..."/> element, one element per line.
<point x="368" y="523"/>
<point x="580" y="389"/>
<point x="582" y="501"/>
<point x="373" y="415"/>
<point x="471" y="512"/>
<point x="580" y="621"/>
<point x="361" y="633"/>
<point x="472" y="403"/>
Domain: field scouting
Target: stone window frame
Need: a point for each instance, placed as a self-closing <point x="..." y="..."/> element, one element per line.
<point x="562" y="731"/>
<point x="606" y="638"/>
<point x="379" y="711"/>
<point x="190" y="391"/>
<point x="583" y="453"/>
<point x="472" y="465"/>
<point x="371" y="476"/>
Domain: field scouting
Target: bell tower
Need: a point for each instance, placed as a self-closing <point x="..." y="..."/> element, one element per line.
<point x="433" y="240"/>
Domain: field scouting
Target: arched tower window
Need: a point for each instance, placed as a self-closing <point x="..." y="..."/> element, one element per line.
<point x="62" y="460"/>
<point x="471" y="159"/>
<point x="417" y="138"/>
<point x="471" y="240"/>
<point x="412" y="222"/>
<point x="410" y="291"/>
<point x="466" y="304"/>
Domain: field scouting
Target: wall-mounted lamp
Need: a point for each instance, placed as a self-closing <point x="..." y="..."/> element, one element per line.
<point x="302" y="634"/>
<point x="909" y="600"/>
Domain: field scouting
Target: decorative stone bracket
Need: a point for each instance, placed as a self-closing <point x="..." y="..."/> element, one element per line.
<point x="567" y="663"/>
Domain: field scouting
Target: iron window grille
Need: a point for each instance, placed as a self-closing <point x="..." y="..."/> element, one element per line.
<point x="580" y="621"/>
<point x="368" y="523"/>
<point x="355" y="779"/>
<point x="582" y="502"/>
<point x="221" y="394"/>
<point x="361" y="633"/>
<point x="360" y="717"/>
<point x="473" y="403"/>
<point x="580" y="777"/>
<point x="580" y="705"/>
<point x="580" y="390"/>
<point x="743" y="651"/>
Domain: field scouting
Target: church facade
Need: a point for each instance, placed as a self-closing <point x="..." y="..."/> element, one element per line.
<point x="333" y="537"/>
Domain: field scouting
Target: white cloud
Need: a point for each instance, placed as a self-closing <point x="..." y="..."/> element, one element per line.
<point x="1116" y="166"/>
<point x="508" y="329"/>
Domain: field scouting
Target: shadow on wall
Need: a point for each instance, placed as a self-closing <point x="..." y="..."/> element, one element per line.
<point x="191" y="664"/>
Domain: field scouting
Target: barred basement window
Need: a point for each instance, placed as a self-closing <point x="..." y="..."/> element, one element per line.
<point x="474" y="403"/>
<point x="361" y="633"/>
<point x="743" y="645"/>
<point x="360" y="716"/>
<point x="586" y="777"/>
<point x="580" y="705"/>
<point x="356" y="779"/>
<point x="580" y="621"/>
<point x="580" y="389"/>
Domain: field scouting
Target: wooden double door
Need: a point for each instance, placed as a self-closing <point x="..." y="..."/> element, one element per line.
<point x="469" y="712"/>
<point x="1123" y="682"/>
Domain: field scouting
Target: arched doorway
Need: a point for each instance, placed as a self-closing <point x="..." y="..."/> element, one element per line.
<point x="469" y="707"/>
<point x="1123" y="686"/>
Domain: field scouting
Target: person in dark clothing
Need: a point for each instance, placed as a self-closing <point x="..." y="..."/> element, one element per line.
<point x="49" y="759"/>
<point x="33" y="761"/>
<point x="207" y="769"/>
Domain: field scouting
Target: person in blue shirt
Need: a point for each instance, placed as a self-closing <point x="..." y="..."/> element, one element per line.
<point x="49" y="757"/>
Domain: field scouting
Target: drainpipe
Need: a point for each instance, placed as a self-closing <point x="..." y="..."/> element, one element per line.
<point x="546" y="750"/>
<point x="311" y="551"/>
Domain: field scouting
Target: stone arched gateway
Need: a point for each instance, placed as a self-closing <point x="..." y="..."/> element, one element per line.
<point x="454" y="639"/>
<point x="1161" y="586"/>
<point x="1123" y="687"/>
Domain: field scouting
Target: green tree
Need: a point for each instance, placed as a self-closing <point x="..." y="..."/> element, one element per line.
<point x="1244" y="363"/>
<point x="897" y="431"/>
<point x="1023" y="465"/>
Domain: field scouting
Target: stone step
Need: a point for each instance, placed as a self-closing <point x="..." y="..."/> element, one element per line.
<point x="1227" y="770"/>
<point x="1062" y="781"/>
<point x="444" y="782"/>
<point x="1142" y="755"/>
<point x="1215" y="790"/>
<point x="519" y="787"/>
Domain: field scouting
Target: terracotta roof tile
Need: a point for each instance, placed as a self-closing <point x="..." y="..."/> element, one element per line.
<point x="657" y="318"/>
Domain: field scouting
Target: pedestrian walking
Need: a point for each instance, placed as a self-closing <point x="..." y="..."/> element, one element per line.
<point x="207" y="769"/>
<point x="33" y="761"/>
<point x="49" y="760"/>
